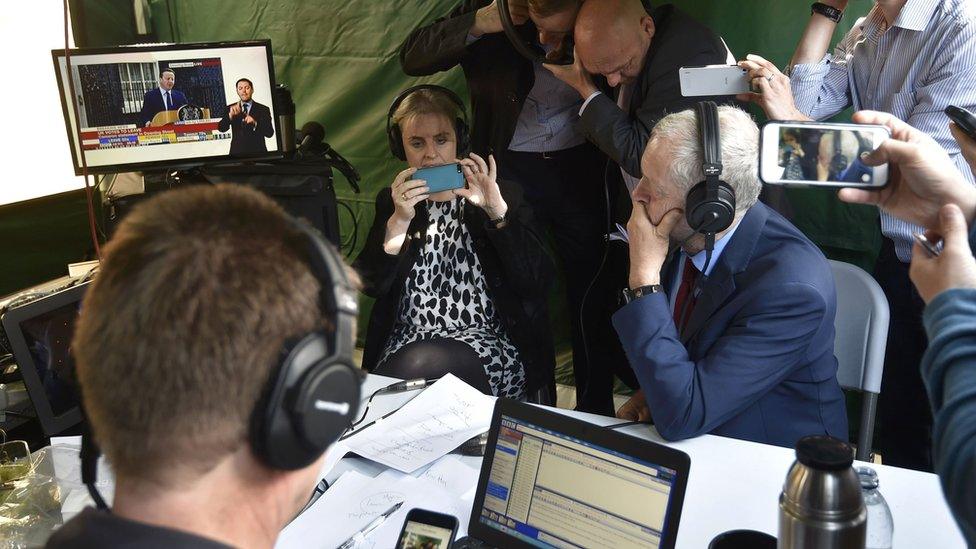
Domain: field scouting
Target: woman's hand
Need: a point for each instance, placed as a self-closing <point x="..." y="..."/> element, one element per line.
<point x="406" y="194"/>
<point x="482" y="190"/>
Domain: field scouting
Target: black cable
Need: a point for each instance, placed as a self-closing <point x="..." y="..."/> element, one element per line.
<point x="354" y="239"/>
<point x="626" y="424"/>
<point x="17" y="414"/>
<point x="366" y="409"/>
<point x="603" y="262"/>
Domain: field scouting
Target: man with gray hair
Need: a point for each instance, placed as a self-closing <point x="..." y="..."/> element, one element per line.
<point x="741" y="345"/>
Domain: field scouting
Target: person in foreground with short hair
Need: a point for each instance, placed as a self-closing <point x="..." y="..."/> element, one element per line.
<point x="910" y="58"/>
<point x="178" y="336"/>
<point x="249" y="121"/>
<point x="460" y="276"/>
<point x="163" y="98"/>
<point x="748" y="350"/>
<point x="926" y="189"/>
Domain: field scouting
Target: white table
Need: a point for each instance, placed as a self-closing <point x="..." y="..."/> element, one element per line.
<point x="736" y="484"/>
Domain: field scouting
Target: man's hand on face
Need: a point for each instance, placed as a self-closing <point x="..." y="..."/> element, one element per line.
<point x="487" y="20"/>
<point x="575" y="76"/>
<point x="649" y="244"/>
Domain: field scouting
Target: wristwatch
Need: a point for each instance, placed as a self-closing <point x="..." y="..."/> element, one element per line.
<point x="498" y="223"/>
<point x="639" y="292"/>
<point x="829" y="12"/>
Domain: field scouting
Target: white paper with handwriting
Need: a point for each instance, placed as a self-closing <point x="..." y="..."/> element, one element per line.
<point x="445" y="415"/>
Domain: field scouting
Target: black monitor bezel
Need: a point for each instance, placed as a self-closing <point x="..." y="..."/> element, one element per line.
<point x="11" y="321"/>
<point x="185" y="163"/>
<point x="639" y="448"/>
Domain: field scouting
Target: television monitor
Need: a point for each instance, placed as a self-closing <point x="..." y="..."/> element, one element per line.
<point x="169" y="106"/>
<point x="39" y="333"/>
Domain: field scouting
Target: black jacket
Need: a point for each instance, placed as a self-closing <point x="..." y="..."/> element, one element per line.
<point x="679" y="41"/>
<point x="517" y="270"/>
<point x="94" y="528"/>
<point x="245" y="138"/>
<point x="499" y="78"/>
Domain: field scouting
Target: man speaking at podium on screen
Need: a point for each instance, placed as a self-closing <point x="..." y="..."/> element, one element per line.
<point x="250" y="120"/>
<point x="163" y="98"/>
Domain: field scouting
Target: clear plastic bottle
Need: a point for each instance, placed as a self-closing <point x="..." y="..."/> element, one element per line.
<point x="880" y="527"/>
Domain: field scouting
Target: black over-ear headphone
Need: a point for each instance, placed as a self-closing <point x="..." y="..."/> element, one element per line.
<point x="395" y="135"/>
<point x="838" y="162"/>
<point x="314" y="394"/>
<point x="710" y="204"/>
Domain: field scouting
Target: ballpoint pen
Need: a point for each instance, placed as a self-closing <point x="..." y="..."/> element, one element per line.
<point x="373" y="525"/>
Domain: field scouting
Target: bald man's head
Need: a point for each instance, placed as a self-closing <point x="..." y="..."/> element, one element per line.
<point x="612" y="38"/>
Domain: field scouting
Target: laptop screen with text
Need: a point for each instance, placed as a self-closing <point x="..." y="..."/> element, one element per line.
<point x="552" y="490"/>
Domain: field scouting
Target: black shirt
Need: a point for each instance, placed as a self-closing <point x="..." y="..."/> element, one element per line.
<point x="93" y="528"/>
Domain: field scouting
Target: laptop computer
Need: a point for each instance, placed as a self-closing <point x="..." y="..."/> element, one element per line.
<point x="39" y="333"/>
<point x="549" y="480"/>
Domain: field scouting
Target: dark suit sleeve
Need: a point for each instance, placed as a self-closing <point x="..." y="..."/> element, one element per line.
<point x="376" y="267"/>
<point x="950" y="378"/>
<point x="525" y="262"/>
<point x="759" y="349"/>
<point x="623" y="137"/>
<point x="146" y="114"/>
<point x="224" y="123"/>
<point x="265" y="125"/>
<point x="440" y="45"/>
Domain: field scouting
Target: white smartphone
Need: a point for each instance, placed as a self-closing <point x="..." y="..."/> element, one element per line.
<point x="713" y="80"/>
<point x="814" y="154"/>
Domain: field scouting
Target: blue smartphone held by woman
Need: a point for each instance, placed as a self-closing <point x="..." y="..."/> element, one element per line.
<point x="441" y="178"/>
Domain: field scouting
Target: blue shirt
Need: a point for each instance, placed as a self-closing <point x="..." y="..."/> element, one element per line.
<point x="913" y="69"/>
<point x="698" y="260"/>
<point x="548" y="120"/>
<point x="168" y="103"/>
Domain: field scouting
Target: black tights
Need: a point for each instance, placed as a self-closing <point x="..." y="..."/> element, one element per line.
<point x="435" y="357"/>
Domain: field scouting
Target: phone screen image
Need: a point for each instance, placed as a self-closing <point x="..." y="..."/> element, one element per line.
<point x="417" y="535"/>
<point x="821" y="155"/>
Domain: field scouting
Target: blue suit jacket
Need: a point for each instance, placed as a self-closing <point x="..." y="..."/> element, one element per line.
<point x="152" y="103"/>
<point x="756" y="359"/>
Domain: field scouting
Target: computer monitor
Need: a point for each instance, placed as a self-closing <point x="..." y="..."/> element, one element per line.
<point x="39" y="334"/>
<point x="549" y="480"/>
<point x="169" y="106"/>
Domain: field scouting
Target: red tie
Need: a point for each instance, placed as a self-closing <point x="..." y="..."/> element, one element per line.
<point x="685" y="297"/>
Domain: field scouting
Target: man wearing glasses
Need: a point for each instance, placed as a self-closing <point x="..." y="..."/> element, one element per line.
<point x="910" y="58"/>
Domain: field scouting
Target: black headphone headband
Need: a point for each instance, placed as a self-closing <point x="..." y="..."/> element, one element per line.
<point x="710" y="205"/>
<point x="461" y="123"/>
<point x="711" y="137"/>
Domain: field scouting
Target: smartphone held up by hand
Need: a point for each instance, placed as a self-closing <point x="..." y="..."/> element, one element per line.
<point x="445" y="177"/>
<point x="813" y="154"/>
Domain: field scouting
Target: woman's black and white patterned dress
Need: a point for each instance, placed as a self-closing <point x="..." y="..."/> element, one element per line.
<point x="445" y="297"/>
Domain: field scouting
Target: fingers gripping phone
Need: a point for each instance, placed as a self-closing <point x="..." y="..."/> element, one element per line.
<point x="713" y="80"/>
<point x="424" y="529"/>
<point x="813" y="154"/>
<point x="445" y="177"/>
<point x="963" y="118"/>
